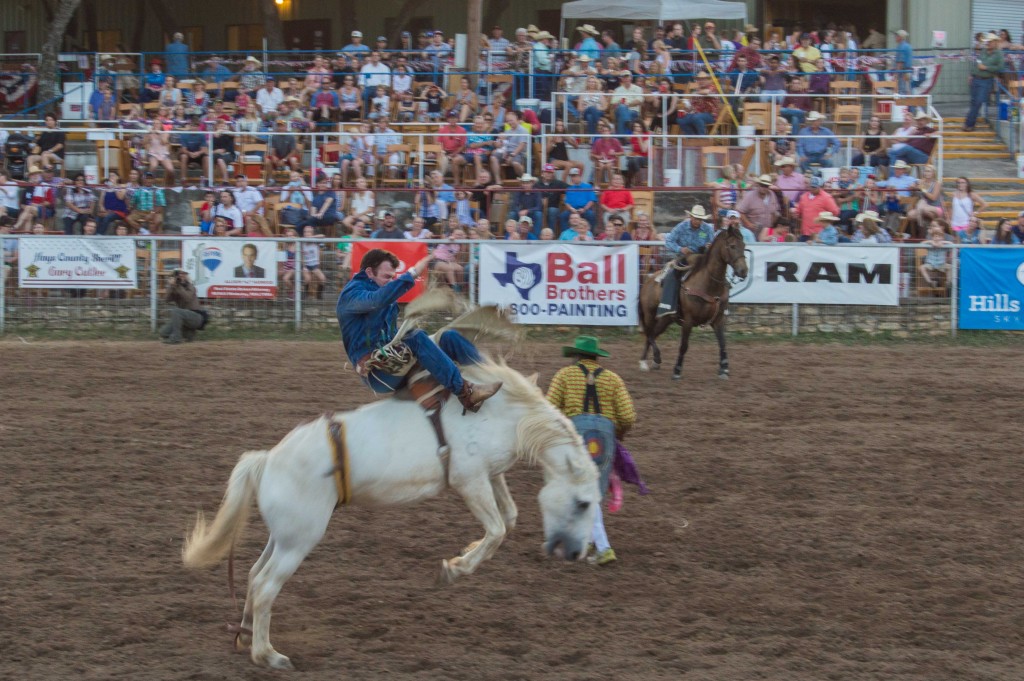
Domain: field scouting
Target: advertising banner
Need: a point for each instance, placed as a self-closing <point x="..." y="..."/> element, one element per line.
<point x="231" y="268"/>
<point x="77" y="262"/>
<point x="819" y="275"/>
<point x="408" y="252"/>
<point x="991" y="288"/>
<point x="562" y="283"/>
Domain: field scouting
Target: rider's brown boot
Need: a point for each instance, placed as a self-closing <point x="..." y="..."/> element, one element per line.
<point x="473" y="395"/>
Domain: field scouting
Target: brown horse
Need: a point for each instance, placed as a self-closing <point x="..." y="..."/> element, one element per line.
<point x="703" y="297"/>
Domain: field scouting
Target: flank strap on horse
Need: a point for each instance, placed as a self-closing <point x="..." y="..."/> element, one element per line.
<point x="425" y="390"/>
<point x="339" y="453"/>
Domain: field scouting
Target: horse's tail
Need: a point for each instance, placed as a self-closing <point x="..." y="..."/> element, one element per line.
<point x="208" y="544"/>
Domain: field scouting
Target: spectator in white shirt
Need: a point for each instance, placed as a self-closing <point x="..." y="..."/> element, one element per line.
<point x="9" y="192"/>
<point x="267" y="99"/>
<point x="250" y="201"/>
<point x="374" y="73"/>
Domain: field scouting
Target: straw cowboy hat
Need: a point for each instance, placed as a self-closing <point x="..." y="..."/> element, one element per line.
<point x="785" y="161"/>
<point x="868" y="215"/>
<point x="901" y="164"/>
<point x="543" y="35"/>
<point x="527" y="178"/>
<point x="826" y="216"/>
<point x="988" y="37"/>
<point x="765" y="180"/>
<point x="587" y="28"/>
<point x="921" y="115"/>
<point x="34" y="170"/>
<point x="584" y="345"/>
<point x="532" y="30"/>
<point x="254" y="60"/>
<point x="698" y="212"/>
<point x="815" y="116"/>
<point x="750" y="28"/>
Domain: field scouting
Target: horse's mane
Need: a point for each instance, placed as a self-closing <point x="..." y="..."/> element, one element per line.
<point x="543" y="426"/>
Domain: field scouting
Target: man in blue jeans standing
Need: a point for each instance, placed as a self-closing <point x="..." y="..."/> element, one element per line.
<point x="987" y="66"/>
<point x="368" y="316"/>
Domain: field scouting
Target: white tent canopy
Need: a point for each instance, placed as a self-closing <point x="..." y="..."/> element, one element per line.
<point x="654" y="10"/>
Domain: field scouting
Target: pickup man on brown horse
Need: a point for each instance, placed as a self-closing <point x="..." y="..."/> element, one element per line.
<point x="689" y="238"/>
<point x="702" y="297"/>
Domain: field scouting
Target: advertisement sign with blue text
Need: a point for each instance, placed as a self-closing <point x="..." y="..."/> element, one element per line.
<point x="992" y="288"/>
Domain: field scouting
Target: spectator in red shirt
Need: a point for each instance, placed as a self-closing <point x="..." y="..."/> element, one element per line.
<point x="605" y="152"/>
<point x="617" y="201"/>
<point x="453" y="142"/>
<point x="811" y="204"/>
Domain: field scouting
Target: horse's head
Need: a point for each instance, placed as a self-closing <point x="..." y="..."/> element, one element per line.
<point x="568" y="502"/>
<point x="733" y="251"/>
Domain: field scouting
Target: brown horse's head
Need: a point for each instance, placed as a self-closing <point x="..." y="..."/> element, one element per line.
<point x="732" y="250"/>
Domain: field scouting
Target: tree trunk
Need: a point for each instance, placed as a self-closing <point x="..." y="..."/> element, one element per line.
<point x="166" y="17"/>
<point x="406" y="13"/>
<point x="48" y="88"/>
<point x="272" y="26"/>
<point x="474" y="28"/>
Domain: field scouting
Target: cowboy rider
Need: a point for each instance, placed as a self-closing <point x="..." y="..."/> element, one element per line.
<point x="368" y="313"/>
<point x="597" y="402"/>
<point x="690" y="237"/>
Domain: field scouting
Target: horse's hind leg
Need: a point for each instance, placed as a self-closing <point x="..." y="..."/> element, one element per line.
<point x="480" y="498"/>
<point x="244" y="637"/>
<point x="723" y="356"/>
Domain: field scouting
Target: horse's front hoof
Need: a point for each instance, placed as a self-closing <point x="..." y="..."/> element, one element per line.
<point x="676" y="376"/>
<point x="724" y="375"/>
<point x="644" y="366"/>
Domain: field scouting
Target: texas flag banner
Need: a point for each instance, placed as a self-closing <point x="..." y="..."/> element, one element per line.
<point x="562" y="283"/>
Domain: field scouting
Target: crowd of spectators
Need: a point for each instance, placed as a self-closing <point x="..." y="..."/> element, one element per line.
<point x="186" y="116"/>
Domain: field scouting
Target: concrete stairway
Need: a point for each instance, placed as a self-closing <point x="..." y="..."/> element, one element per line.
<point x="981" y="144"/>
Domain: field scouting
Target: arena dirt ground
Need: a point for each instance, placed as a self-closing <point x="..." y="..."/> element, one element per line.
<point x="832" y="512"/>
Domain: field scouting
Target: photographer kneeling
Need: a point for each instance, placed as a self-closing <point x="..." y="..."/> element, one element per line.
<point x="188" y="317"/>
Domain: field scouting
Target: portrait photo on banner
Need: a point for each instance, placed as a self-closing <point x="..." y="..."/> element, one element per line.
<point x="232" y="268"/>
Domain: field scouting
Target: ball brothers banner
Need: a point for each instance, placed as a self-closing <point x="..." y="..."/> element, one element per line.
<point x="76" y="262"/>
<point x="992" y="288"/>
<point x="819" y="275"/>
<point x="562" y="283"/>
<point x="231" y="268"/>
<point x="408" y="253"/>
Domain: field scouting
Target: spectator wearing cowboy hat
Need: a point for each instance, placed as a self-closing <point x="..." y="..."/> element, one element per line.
<point x="988" y="64"/>
<point x="919" y="146"/>
<point x="815" y="144"/>
<point x="789" y="181"/>
<point x="589" y="46"/>
<point x="829" y="233"/>
<point x="597" y="402"/>
<point x="529" y="203"/>
<point x="628" y="97"/>
<point x="812" y="203"/>
<point x="760" y="206"/>
<point x="689" y="238"/>
<point x="250" y="77"/>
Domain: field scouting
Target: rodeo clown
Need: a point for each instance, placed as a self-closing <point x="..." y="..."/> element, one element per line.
<point x="368" y="314"/>
<point x="599" y="406"/>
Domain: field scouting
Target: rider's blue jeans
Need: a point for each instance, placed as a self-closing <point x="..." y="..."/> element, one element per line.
<point x="438" y="359"/>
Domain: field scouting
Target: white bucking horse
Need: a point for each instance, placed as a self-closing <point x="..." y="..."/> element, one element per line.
<point x="393" y="458"/>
